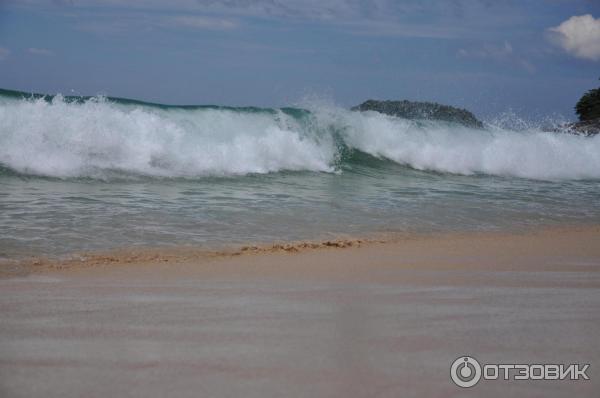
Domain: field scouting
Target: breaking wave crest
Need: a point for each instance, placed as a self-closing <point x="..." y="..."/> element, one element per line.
<point x="99" y="137"/>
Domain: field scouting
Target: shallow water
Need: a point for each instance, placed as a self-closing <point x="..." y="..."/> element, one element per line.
<point x="46" y="216"/>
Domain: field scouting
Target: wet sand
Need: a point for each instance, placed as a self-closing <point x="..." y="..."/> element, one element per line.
<point x="369" y="320"/>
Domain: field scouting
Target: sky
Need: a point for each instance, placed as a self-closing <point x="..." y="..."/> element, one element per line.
<point x="532" y="58"/>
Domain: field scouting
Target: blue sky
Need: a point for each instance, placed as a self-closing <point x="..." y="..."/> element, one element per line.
<point x="488" y="56"/>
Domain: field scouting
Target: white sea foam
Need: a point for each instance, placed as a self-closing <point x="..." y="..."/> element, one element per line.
<point x="89" y="139"/>
<point x="66" y="140"/>
<point x="444" y="147"/>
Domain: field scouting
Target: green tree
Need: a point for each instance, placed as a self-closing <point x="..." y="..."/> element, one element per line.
<point x="588" y="107"/>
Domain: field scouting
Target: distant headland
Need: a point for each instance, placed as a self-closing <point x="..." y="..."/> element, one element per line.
<point x="587" y="108"/>
<point x="421" y="110"/>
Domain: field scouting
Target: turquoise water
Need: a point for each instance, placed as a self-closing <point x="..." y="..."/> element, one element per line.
<point x="79" y="174"/>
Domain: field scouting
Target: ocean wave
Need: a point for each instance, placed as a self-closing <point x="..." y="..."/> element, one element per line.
<point x="97" y="137"/>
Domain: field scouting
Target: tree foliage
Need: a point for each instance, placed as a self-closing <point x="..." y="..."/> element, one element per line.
<point x="588" y="107"/>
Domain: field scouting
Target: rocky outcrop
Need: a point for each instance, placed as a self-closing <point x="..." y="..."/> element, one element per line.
<point x="421" y="110"/>
<point x="586" y="127"/>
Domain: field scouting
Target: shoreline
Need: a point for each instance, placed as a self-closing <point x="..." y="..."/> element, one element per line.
<point x="186" y="254"/>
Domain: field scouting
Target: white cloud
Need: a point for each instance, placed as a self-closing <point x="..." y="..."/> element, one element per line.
<point x="106" y="24"/>
<point x="502" y="53"/>
<point x="199" y="22"/>
<point x="4" y="53"/>
<point x="488" y="51"/>
<point x="40" y="51"/>
<point x="392" y="18"/>
<point x="579" y="36"/>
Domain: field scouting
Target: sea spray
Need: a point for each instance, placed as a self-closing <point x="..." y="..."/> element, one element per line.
<point x="65" y="139"/>
<point x="99" y="138"/>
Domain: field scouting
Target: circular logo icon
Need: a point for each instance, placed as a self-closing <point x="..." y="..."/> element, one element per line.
<point x="465" y="372"/>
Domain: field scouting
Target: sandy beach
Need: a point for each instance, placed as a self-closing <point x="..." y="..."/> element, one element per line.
<point x="365" y="320"/>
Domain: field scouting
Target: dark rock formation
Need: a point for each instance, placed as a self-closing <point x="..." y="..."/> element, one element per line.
<point x="421" y="110"/>
<point x="586" y="127"/>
